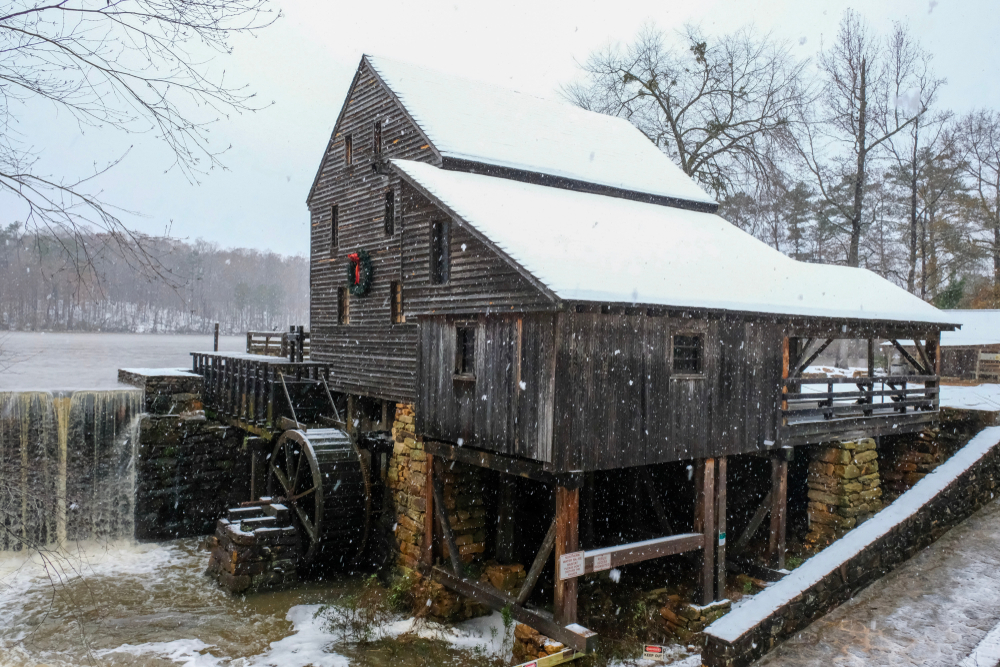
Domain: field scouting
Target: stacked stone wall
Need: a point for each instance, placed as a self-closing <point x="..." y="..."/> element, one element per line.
<point x="844" y="489"/>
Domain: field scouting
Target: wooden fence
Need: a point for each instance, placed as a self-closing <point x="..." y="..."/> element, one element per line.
<point x="276" y="343"/>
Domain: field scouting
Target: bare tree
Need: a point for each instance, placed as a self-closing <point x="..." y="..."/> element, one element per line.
<point x="132" y="66"/>
<point x="717" y="107"/>
<point x="839" y="140"/>
<point x="978" y="138"/>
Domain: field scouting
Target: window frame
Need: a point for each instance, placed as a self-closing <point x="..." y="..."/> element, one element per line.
<point x="465" y="364"/>
<point x="687" y="333"/>
<point x="348" y="149"/>
<point x="396" y="313"/>
<point x="343" y="306"/>
<point x="377" y="138"/>
<point x="334" y="228"/>
<point x="440" y="251"/>
<point x="389" y="222"/>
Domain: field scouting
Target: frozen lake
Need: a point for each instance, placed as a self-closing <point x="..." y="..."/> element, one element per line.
<point x="34" y="361"/>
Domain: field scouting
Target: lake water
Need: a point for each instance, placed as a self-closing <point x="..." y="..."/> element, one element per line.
<point x="35" y="361"/>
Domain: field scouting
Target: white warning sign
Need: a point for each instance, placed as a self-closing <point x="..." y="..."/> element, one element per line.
<point x="602" y="562"/>
<point x="654" y="652"/>
<point x="571" y="565"/>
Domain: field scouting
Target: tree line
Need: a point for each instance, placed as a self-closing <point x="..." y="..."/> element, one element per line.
<point x="847" y="158"/>
<point x="83" y="282"/>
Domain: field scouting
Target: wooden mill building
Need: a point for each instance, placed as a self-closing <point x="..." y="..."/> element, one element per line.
<point x="557" y="299"/>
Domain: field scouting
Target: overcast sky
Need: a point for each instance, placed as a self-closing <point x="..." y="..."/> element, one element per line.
<point x="305" y="62"/>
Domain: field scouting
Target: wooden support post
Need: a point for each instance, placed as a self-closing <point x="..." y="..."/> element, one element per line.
<point x="505" y="521"/>
<point x="427" y="544"/>
<point x="567" y="541"/>
<point x="871" y="357"/>
<point x="446" y="532"/>
<point x="216" y="338"/>
<point x="779" y="502"/>
<point x="541" y="558"/>
<point x="706" y="521"/>
<point x="720" y="532"/>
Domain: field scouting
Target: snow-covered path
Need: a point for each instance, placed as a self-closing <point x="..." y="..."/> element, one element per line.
<point x="934" y="610"/>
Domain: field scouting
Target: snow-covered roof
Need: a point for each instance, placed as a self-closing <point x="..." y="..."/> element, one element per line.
<point x="472" y="120"/>
<point x="979" y="327"/>
<point x="588" y="247"/>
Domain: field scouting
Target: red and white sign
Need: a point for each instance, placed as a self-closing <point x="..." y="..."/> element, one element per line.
<point x="602" y="562"/>
<point x="571" y="565"/>
<point x="653" y="652"/>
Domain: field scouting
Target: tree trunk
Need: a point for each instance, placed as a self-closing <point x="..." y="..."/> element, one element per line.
<point x="913" y="226"/>
<point x="859" y="175"/>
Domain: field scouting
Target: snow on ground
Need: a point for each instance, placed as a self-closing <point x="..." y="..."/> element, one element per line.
<point x="748" y="612"/>
<point x="984" y="397"/>
<point x="986" y="653"/>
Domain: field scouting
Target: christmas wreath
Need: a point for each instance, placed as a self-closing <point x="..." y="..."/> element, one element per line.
<point x="359" y="272"/>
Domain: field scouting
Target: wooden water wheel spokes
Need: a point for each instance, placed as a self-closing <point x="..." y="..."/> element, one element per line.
<point x="320" y="476"/>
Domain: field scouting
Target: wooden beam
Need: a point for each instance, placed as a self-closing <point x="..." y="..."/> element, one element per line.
<point x="909" y="358"/>
<point x="567" y="541"/>
<point x="599" y="560"/>
<point x="706" y="470"/>
<point x="779" y="502"/>
<point x="427" y="545"/>
<point x="720" y="530"/>
<point x="575" y="636"/>
<point x="508" y="465"/>
<point x="871" y="357"/>
<point x="812" y="357"/>
<point x="750" y="567"/>
<point x="541" y="558"/>
<point x="446" y="531"/>
<point x="754" y="525"/>
<point x="654" y="500"/>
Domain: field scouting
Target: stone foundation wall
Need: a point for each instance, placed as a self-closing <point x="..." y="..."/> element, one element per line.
<point x="407" y="479"/>
<point x="906" y="461"/>
<point x="687" y="621"/>
<point x="530" y="645"/>
<point x="974" y="481"/>
<point x="844" y="489"/>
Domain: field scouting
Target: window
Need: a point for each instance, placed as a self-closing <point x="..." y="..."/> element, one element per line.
<point x="688" y="353"/>
<point x="334" y="228"/>
<point x="396" y="294"/>
<point x="377" y="139"/>
<point x="343" y="306"/>
<point x="440" y="246"/>
<point x="465" y="350"/>
<point x="348" y="149"/>
<point x="390" y="213"/>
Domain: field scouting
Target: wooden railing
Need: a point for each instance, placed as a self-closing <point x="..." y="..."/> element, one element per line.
<point x="252" y="391"/>
<point x="827" y="407"/>
<point x="276" y="343"/>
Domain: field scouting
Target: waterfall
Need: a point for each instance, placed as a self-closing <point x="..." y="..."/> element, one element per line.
<point x="67" y="466"/>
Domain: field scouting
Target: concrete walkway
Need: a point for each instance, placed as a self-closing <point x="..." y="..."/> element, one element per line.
<point x="933" y="610"/>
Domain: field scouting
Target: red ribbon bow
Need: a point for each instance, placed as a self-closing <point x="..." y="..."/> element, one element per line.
<point x="356" y="260"/>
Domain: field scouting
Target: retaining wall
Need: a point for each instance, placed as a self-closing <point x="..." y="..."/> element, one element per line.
<point x="942" y="499"/>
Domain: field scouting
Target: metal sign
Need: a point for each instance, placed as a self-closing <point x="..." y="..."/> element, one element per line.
<point x="571" y="565"/>
<point x="654" y="652"/>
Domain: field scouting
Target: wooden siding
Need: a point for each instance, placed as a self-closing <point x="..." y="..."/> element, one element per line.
<point x="370" y="355"/>
<point x="618" y="404"/>
<point x="480" y="281"/>
<point x="492" y="411"/>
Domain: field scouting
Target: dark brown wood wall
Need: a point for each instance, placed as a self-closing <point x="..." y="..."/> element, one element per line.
<point x="370" y="356"/>
<point x="480" y="280"/>
<point x="619" y="405"/>
<point x="507" y="408"/>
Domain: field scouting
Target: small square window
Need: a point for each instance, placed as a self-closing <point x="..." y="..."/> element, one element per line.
<point x="465" y="350"/>
<point x="390" y="213"/>
<point x="688" y="354"/>
<point x="396" y="290"/>
<point x="343" y="306"/>
<point x="348" y="149"/>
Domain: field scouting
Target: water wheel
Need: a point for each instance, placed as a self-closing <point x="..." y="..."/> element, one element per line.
<point x="321" y="476"/>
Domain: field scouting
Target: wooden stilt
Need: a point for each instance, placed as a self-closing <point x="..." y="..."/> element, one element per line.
<point x="779" y="502"/>
<point x="446" y="532"/>
<point x="706" y="505"/>
<point x="567" y="541"/>
<point x="427" y="546"/>
<point x="505" y="521"/>
<point x="720" y="532"/>
<point x="536" y="567"/>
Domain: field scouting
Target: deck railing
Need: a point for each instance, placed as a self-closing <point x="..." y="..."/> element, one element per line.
<point x="276" y="343"/>
<point x="251" y="390"/>
<point x="828" y="407"/>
